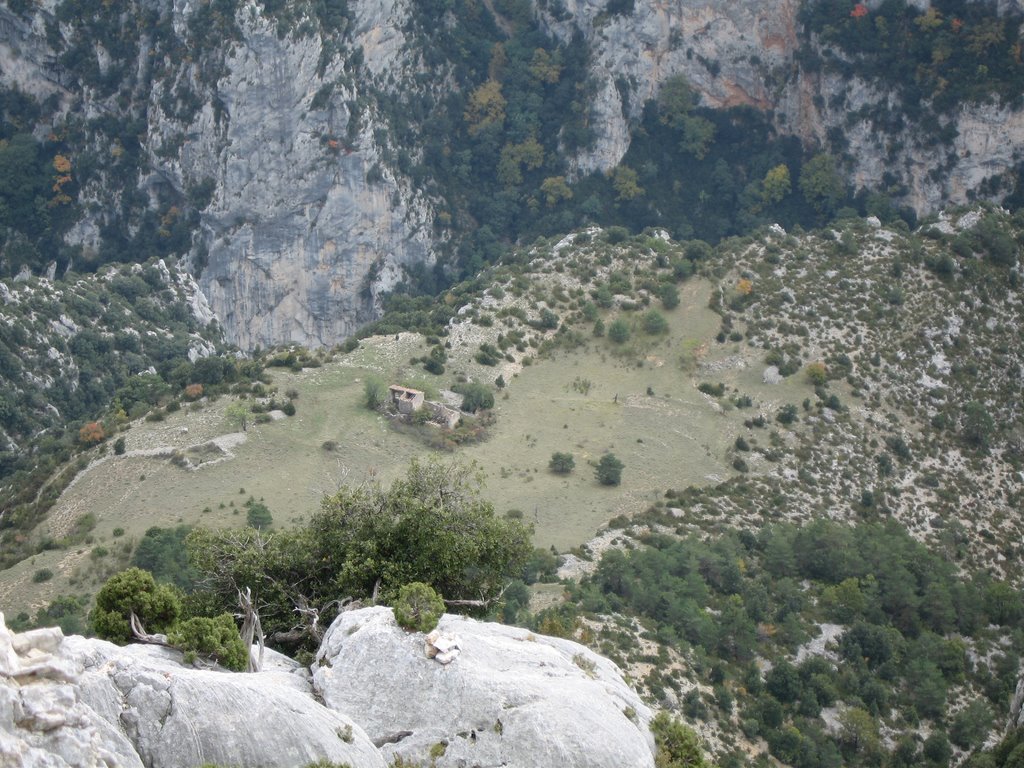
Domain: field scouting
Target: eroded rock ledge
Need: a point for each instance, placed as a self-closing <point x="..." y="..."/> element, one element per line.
<point x="509" y="698"/>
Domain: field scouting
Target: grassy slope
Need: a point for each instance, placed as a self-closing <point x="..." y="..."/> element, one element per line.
<point x="805" y="291"/>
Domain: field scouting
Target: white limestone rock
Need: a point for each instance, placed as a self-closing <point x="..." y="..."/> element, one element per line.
<point x="43" y="721"/>
<point x="180" y="716"/>
<point x="511" y="698"/>
<point x="80" y="703"/>
<point x="1017" y="707"/>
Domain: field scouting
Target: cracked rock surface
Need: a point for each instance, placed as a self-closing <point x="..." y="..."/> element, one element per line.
<point x="82" y="702"/>
<point x="511" y="698"/>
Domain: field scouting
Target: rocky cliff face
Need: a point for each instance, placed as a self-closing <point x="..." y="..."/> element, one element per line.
<point x="272" y="131"/>
<point x="743" y="53"/>
<point x="1017" y="707"/>
<point x="266" y="128"/>
<point x="729" y="51"/>
<point x="300" y="235"/>
<point x="511" y="698"/>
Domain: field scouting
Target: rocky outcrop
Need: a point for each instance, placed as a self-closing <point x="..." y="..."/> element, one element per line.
<point x="306" y="225"/>
<point x="43" y="722"/>
<point x="78" y="702"/>
<point x="743" y="53"/>
<point x="725" y="49"/>
<point x="478" y="694"/>
<point x="1017" y="707"/>
<point x="510" y="698"/>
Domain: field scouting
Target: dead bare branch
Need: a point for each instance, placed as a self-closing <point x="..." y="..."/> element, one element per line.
<point x="140" y="635"/>
<point x="481" y="603"/>
<point x="252" y="629"/>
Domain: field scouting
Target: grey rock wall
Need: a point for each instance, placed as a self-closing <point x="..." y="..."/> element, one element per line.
<point x="309" y="222"/>
<point x="742" y="53"/>
<point x="300" y="244"/>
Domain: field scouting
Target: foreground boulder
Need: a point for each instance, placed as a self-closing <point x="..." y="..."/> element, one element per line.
<point x="510" y="698"/>
<point x="79" y="702"/>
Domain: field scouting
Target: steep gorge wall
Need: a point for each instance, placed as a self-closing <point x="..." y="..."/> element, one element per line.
<point x="306" y="218"/>
<point x="743" y="54"/>
<point x="299" y="241"/>
<point x="303" y="226"/>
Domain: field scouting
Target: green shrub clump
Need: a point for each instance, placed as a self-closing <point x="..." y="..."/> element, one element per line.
<point x="561" y="463"/>
<point x="678" y="746"/>
<point x="133" y="591"/>
<point x="216" y="638"/>
<point x="418" y="607"/>
<point x="477" y="397"/>
<point x="609" y="470"/>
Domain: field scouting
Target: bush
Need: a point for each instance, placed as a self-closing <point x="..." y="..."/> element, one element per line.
<point x="119" y="446"/>
<point x="609" y="470"/>
<point x="477" y="397"/>
<point x="215" y="638"/>
<point x="91" y="433"/>
<point x="488" y="354"/>
<point x="669" y="296"/>
<point x="43" y="574"/>
<point x="418" y="607"/>
<point x="133" y="591"/>
<point x="654" y="323"/>
<point x="375" y="393"/>
<point x="786" y="414"/>
<point x="715" y="390"/>
<point x="816" y="373"/>
<point x="677" y="745"/>
<point x="548" y="319"/>
<point x="618" y="331"/>
<point x="561" y="463"/>
<point x="258" y="516"/>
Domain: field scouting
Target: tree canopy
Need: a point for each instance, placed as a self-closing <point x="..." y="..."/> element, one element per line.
<point x="430" y="526"/>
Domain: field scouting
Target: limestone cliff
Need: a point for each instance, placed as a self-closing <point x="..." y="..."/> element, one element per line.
<point x="282" y="149"/>
<point x="299" y="238"/>
<point x="743" y="53"/>
<point x="263" y="131"/>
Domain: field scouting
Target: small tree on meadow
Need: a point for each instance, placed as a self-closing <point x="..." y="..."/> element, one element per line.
<point x="375" y="393"/>
<point x="655" y="323"/>
<point x="258" y="516"/>
<point x="561" y="463"/>
<point x="237" y="414"/>
<point x="669" y="296"/>
<point x="477" y="397"/>
<point x="609" y="470"/>
<point x="618" y="331"/>
<point x="816" y="373"/>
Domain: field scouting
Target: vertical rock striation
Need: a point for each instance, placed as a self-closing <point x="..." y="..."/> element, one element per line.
<point x="305" y="226"/>
<point x="743" y="54"/>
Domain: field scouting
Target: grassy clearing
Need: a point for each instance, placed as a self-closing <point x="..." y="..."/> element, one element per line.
<point x="672" y="438"/>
